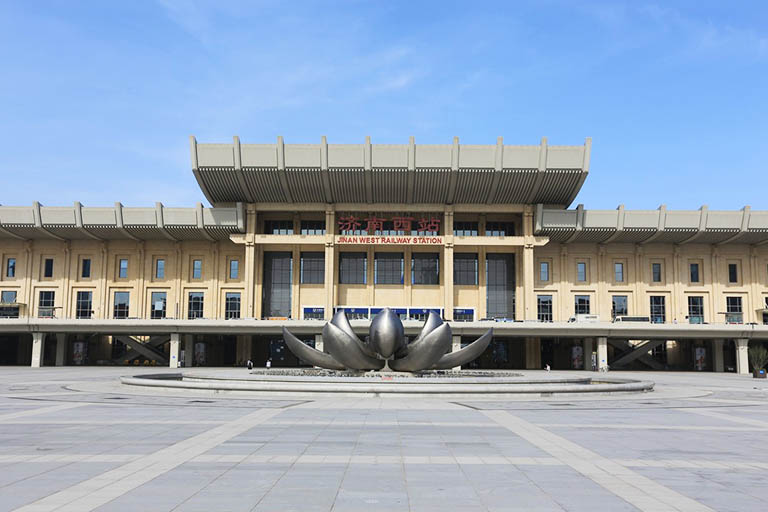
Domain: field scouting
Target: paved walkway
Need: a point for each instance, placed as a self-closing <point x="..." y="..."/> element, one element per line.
<point x="73" y="440"/>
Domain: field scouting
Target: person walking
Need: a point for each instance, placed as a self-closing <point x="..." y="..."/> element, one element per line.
<point x="269" y="363"/>
<point x="249" y="364"/>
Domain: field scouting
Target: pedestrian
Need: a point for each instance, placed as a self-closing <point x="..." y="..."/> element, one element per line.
<point x="546" y="367"/>
<point x="249" y="364"/>
<point x="269" y="363"/>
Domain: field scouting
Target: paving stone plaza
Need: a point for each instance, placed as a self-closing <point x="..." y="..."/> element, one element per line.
<point x="77" y="440"/>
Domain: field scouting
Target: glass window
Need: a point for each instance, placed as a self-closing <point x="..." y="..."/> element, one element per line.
<point x="464" y="228"/>
<point x="8" y="297"/>
<point x="278" y="284"/>
<point x="10" y="267"/>
<point x="463" y="315"/>
<point x="48" y="268"/>
<point x="733" y="273"/>
<point x="195" y="305"/>
<point x="619" y="306"/>
<point x="733" y="311"/>
<point x="160" y="268"/>
<point x="353" y="267"/>
<point x="618" y="272"/>
<point x="234" y="269"/>
<point x="544" y="271"/>
<point x="425" y="268"/>
<point x="388" y="268"/>
<point x="45" y="304"/>
<point x="312" y="267"/>
<point x="656" y="272"/>
<point x="158" y="305"/>
<point x="197" y="269"/>
<point x="581" y="304"/>
<point x="694" y="271"/>
<point x="278" y="227"/>
<point x="695" y="310"/>
<point x="122" y="304"/>
<point x="500" y="285"/>
<point x="313" y="227"/>
<point x="497" y="228"/>
<point x="658" y="308"/>
<point x="84" y="305"/>
<point x="544" y="308"/>
<point x="123" y="268"/>
<point x="231" y="305"/>
<point x="85" y="269"/>
<point x="465" y="268"/>
<point x="581" y="271"/>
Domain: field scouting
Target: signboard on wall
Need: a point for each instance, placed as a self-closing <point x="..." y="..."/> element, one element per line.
<point x="388" y="240"/>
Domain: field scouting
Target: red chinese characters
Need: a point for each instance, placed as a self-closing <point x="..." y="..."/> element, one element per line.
<point x="350" y="224"/>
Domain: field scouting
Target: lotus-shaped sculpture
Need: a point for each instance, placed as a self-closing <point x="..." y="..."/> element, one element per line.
<point x="387" y="344"/>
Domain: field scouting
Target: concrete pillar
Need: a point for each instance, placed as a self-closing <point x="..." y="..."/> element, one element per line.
<point x="717" y="355"/>
<point x="533" y="354"/>
<point x="243" y="350"/>
<point x="173" y="360"/>
<point x="319" y="342"/>
<point x="588" y="354"/>
<point x="742" y="357"/>
<point x="602" y="353"/>
<point x="456" y="346"/>
<point x="38" y="348"/>
<point x="61" y="349"/>
<point x="189" y="350"/>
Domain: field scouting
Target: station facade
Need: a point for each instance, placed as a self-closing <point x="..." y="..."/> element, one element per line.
<point x="483" y="235"/>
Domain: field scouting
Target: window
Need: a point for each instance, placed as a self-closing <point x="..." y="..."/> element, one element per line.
<point x="159" y="268"/>
<point x="500" y="285"/>
<point x="231" y="305"/>
<point x="733" y="273"/>
<point x="278" y="227"/>
<point x="581" y="271"/>
<point x="10" y="267"/>
<point x="48" y="267"/>
<point x="425" y="268"/>
<point x="8" y="297"/>
<point x="353" y="267"/>
<point x="619" y="306"/>
<point x="84" y="304"/>
<point x="234" y="269"/>
<point x="733" y="311"/>
<point x="314" y="313"/>
<point x="465" y="268"/>
<point x="463" y="228"/>
<point x="581" y="304"/>
<point x="695" y="310"/>
<point x="618" y="272"/>
<point x="197" y="269"/>
<point x="122" y="304"/>
<point x="312" y="267"/>
<point x="544" y="271"/>
<point x="158" y="305"/>
<point x="658" y="309"/>
<point x="656" y="272"/>
<point x="122" y="272"/>
<point x="694" y="271"/>
<point x="388" y="268"/>
<point x="85" y="268"/>
<point x="544" y="308"/>
<point x="463" y="315"/>
<point x="313" y="227"/>
<point x="496" y="228"/>
<point x="45" y="304"/>
<point x="195" y="305"/>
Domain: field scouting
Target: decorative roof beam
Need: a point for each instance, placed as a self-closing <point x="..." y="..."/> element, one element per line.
<point x="659" y="226"/>
<point x="619" y="225"/>
<point x="201" y="223"/>
<point x="281" y="169"/>
<point x="325" y="177"/>
<point x="196" y="171"/>
<point x="8" y="233"/>
<point x="239" y="169"/>
<point x="579" y="224"/>
<point x="745" y="214"/>
<point x="498" y="167"/>
<point x="703" y="214"/>
<point x="79" y="221"/>
<point x="454" y="171"/>
<point x="584" y="170"/>
<point x="39" y="222"/>
<point x="543" y="152"/>
<point x="119" y="221"/>
<point x="411" y="170"/>
<point x="161" y="222"/>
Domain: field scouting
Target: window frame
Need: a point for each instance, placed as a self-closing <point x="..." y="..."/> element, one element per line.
<point x="152" y="302"/>
<point x="51" y="307"/>
<point x="545" y="271"/>
<point x="614" y="312"/>
<point x="196" y="274"/>
<point x="84" y="267"/>
<point x="198" y="311"/>
<point x="120" y="260"/>
<point x="48" y="275"/>
<point x="578" y="308"/>
<point x="80" y="312"/>
<point x="230" y="298"/>
<point x="233" y="264"/>
<point x="459" y="270"/>
<point x="344" y="274"/>
<point x="734" y="309"/>
<point x="619" y="274"/>
<point x="466" y="228"/>
<point x="734" y="272"/>
<point x="544" y="311"/>
<point x="424" y="257"/>
<point x="117" y="311"/>
<point x="312" y="267"/>
<point x="698" y="266"/>
<point x="579" y="265"/>
<point x="692" y="314"/>
<point x="654" y="315"/>
<point x="159" y="269"/>
<point x="660" y="266"/>
<point x="10" y="267"/>
<point x="386" y="275"/>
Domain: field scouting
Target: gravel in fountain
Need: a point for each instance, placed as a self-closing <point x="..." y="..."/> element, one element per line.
<point x="427" y="374"/>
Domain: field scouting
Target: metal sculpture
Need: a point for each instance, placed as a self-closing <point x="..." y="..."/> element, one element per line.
<point x="387" y="344"/>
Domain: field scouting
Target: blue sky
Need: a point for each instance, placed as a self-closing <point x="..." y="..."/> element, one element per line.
<point x="97" y="99"/>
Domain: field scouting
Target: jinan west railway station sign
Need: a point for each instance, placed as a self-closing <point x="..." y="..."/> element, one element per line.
<point x="374" y="230"/>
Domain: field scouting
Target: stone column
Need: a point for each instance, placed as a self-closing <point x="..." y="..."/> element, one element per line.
<point x="529" y="297"/>
<point x="587" y="354"/>
<point x="742" y="358"/>
<point x="61" y="349"/>
<point x="533" y="354"/>
<point x="717" y="355"/>
<point x="38" y="348"/>
<point x="456" y="346"/>
<point x="330" y="258"/>
<point x="189" y="350"/>
<point x="243" y="349"/>
<point x="173" y="360"/>
<point x="602" y="353"/>
<point x="448" y="297"/>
